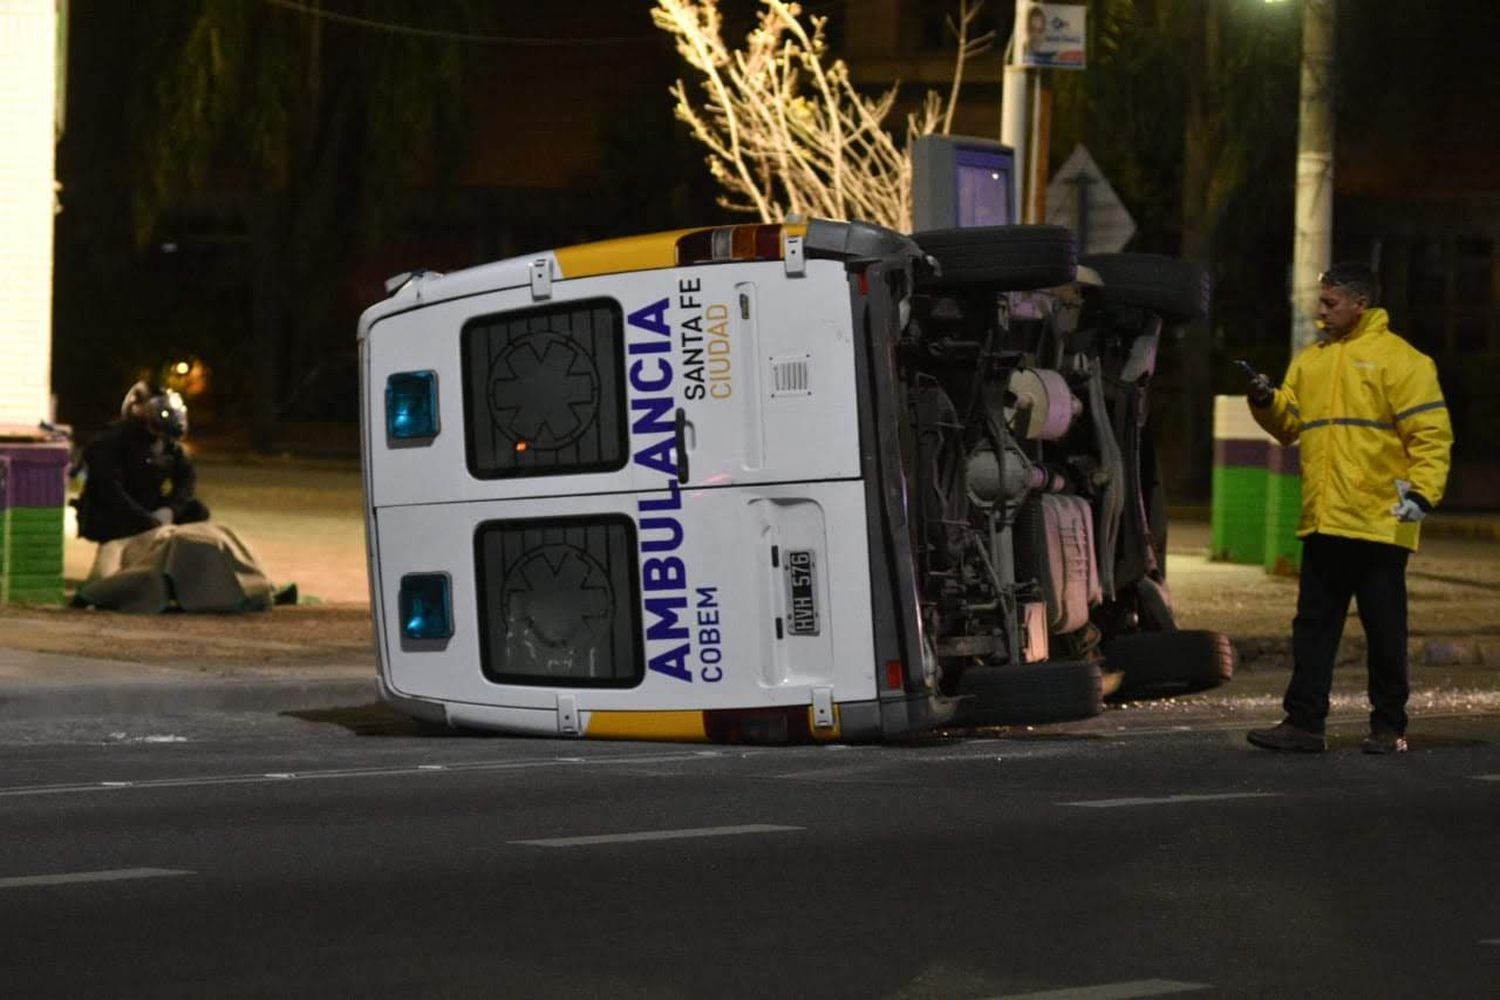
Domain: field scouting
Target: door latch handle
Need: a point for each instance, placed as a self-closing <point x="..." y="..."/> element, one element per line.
<point x="681" y="444"/>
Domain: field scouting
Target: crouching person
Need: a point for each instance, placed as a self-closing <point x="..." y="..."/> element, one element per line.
<point x="139" y="477"/>
<point x="158" y="550"/>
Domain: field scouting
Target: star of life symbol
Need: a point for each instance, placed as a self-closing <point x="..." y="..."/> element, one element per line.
<point x="544" y="390"/>
<point x="557" y="596"/>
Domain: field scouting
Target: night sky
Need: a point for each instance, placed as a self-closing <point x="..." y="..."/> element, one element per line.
<point x="553" y="145"/>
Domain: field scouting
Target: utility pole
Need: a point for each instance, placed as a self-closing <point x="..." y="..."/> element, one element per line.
<point x="1081" y="185"/>
<point x="1038" y="148"/>
<point x="1015" y="104"/>
<point x="1312" y="243"/>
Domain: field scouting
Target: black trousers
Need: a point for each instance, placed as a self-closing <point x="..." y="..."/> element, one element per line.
<point x="1333" y="570"/>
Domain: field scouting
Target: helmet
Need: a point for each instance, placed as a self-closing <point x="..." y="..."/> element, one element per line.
<point x="161" y="410"/>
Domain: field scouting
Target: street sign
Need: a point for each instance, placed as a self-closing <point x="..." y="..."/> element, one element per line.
<point x="1081" y="198"/>
<point x="1050" y="35"/>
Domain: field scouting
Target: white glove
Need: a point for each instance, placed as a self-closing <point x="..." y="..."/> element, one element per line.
<point x="1408" y="510"/>
<point x="163" y="515"/>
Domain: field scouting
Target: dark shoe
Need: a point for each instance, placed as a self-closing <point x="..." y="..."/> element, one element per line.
<point x="286" y="595"/>
<point x="1285" y="736"/>
<point x="1384" y="742"/>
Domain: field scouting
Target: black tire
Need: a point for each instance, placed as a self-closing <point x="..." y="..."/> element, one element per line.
<point x="1053" y="691"/>
<point x="1002" y="258"/>
<point x="1177" y="290"/>
<point x="1170" y="662"/>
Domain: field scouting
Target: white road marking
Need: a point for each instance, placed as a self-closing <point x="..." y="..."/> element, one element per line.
<point x="1486" y="777"/>
<point x="352" y="772"/>
<point x="1167" y="800"/>
<point x="631" y="838"/>
<point x="1113" y="991"/>
<point x="1490" y="941"/>
<point x="73" y="878"/>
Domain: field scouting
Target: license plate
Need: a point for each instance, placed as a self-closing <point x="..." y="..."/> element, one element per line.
<point x="802" y="590"/>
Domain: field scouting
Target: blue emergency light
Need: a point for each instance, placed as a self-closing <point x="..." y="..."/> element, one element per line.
<point x="411" y="412"/>
<point x="425" y="604"/>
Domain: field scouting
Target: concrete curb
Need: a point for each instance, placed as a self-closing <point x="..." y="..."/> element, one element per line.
<point x="1275" y="652"/>
<point x="168" y="697"/>
<point x="1481" y="527"/>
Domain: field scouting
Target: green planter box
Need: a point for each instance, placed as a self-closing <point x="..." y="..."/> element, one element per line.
<point x="1283" y="549"/>
<point x="35" y="588"/>
<point x="36" y="521"/>
<point x="1238" y="526"/>
<point x="33" y="556"/>
<point x="24" y="546"/>
<point x="1237" y="517"/>
<point x="4" y="526"/>
<point x="36" y="595"/>
<point x="4" y="553"/>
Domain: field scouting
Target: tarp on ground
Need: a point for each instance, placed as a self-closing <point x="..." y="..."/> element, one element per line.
<point x="193" y="567"/>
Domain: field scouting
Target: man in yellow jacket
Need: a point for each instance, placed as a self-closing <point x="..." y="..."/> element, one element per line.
<point x="1369" y="413"/>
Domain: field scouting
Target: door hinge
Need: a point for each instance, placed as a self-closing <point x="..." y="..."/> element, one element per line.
<point x="541" y="278"/>
<point x="567" y="715"/>
<point x="822" y="702"/>
<point x="794" y="258"/>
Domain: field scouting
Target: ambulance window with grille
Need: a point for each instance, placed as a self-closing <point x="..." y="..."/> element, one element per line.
<point x="544" y="391"/>
<point x="559" y="601"/>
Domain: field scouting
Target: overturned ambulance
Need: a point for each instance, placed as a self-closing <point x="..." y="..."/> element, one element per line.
<point x="770" y="483"/>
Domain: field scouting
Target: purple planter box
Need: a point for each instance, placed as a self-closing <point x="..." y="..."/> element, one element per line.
<point x="38" y="474"/>
<point x="4" y="482"/>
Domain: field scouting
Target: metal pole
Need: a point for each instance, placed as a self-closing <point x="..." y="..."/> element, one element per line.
<point x="1081" y="185"/>
<point x="1041" y="141"/>
<point x="1313" y="240"/>
<point x="1013" y="113"/>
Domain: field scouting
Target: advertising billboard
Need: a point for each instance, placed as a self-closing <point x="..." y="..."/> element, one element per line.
<point x="1051" y="35"/>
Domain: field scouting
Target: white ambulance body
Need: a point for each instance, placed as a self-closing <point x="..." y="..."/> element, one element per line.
<point x="656" y="488"/>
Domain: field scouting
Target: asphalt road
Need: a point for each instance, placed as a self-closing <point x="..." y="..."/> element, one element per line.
<point x="343" y="855"/>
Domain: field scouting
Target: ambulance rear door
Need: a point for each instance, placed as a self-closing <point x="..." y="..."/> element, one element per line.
<point x="743" y="368"/>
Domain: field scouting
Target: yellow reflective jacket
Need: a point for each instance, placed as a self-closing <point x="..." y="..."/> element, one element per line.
<point x="1368" y="410"/>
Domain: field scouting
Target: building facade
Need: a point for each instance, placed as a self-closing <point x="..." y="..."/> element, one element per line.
<point x="28" y="123"/>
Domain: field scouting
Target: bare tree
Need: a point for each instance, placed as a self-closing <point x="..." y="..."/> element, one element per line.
<point x="788" y="133"/>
